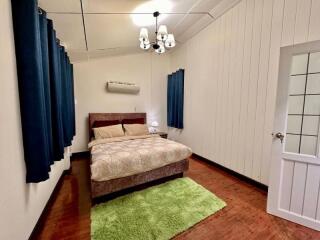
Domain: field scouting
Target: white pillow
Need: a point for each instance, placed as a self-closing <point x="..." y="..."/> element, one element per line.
<point x="136" y="129"/>
<point x="108" y="131"/>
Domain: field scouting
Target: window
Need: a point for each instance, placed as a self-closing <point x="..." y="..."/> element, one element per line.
<point x="304" y="105"/>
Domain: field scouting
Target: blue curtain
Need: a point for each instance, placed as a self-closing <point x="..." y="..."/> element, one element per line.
<point x="169" y="101"/>
<point x="175" y="98"/>
<point x="43" y="84"/>
<point x="73" y="113"/>
<point x="56" y="100"/>
<point x="70" y="99"/>
<point x="46" y="81"/>
<point x="65" y="100"/>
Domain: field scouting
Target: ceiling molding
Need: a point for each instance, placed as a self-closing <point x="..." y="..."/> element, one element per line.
<point x="84" y="26"/>
<point x="129" y="13"/>
<point x="197" y="27"/>
<point x="223" y="7"/>
<point x="184" y="17"/>
<point x="202" y="23"/>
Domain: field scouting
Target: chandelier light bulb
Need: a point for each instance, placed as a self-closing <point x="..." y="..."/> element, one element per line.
<point x="145" y="45"/>
<point x="143" y="34"/>
<point x="161" y="48"/>
<point x="170" y="42"/>
<point x="162" y="33"/>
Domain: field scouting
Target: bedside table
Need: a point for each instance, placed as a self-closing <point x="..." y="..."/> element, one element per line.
<point x="162" y="134"/>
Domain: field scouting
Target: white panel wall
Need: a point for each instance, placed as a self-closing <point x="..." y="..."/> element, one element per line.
<point x="231" y="78"/>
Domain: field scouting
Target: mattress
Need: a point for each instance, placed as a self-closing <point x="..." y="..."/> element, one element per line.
<point x="113" y="158"/>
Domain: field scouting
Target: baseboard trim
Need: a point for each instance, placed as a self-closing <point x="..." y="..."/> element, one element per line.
<point x="49" y="203"/>
<point x="233" y="173"/>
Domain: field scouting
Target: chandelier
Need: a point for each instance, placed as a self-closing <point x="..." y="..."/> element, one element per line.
<point x="163" y="40"/>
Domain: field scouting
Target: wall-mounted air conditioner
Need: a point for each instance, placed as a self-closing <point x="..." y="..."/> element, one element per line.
<point x="122" y="87"/>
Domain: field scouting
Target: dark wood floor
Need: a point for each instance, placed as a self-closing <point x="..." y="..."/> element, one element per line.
<point x="68" y="217"/>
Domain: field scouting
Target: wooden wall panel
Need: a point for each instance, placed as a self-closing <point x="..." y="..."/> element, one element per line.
<point x="289" y="19"/>
<point x="231" y="87"/>
<point x="231" y="80"/>
<point x="211" y="147"/>
<point x="213" y="95"/>
<point x="238" y="78"/>
<point x="225" y="89"/>
<point x="221" y="47"/>
<point x="314" y="30"/>
<point x="245" y="84"/>
<point x="274" y="52"/>
<point x="222" y="35"/>
<point x="208" y="48"/>
<point x="252" y="87"/>
<point x="197" y="92"/>
<point x="262" y="88"/>
<point x="302" y="21"/>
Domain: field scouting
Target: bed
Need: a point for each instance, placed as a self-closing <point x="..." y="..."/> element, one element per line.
<point x="123" y="162"/>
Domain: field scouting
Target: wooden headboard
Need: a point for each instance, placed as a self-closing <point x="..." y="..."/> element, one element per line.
<point x="112" y="116"/>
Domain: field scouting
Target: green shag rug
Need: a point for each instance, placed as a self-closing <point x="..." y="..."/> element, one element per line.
<point x="159" y="212"/>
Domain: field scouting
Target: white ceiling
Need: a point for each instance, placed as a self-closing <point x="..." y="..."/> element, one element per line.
<point x="107" y="28"/>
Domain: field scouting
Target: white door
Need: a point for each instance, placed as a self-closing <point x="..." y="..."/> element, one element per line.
<point x="295" y="165"/>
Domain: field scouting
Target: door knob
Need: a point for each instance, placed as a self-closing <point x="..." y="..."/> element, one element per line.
<point x="278" y="135"/>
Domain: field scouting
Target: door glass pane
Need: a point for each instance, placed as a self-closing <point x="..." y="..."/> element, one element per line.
<point x="308" y="145"/>
<point x="295" y="104"/>
<point x="292" y="143"/>
<point x="313" y="85"/>
<point x="294" y="124"/>
<point x="297" y="84"/>
<point x="303" y="105"/>
<point x="312" y="104"/>
<point x="310" y="125"/>
<point x="299" y="64"/>
<point x="314" y="62"/>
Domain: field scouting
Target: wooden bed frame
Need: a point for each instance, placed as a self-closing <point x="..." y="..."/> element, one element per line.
<point x="101" y="188"/>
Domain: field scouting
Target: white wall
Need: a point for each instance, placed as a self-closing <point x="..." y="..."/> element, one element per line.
<point x="20" y="204"/>
<point x="147" y="70"/>
<point x="231" y="78"/>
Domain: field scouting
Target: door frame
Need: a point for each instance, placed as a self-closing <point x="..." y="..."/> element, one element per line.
<point x="280" y="122"/>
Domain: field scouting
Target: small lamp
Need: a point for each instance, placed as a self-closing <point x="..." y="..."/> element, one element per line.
<point x="154" y="126"/>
